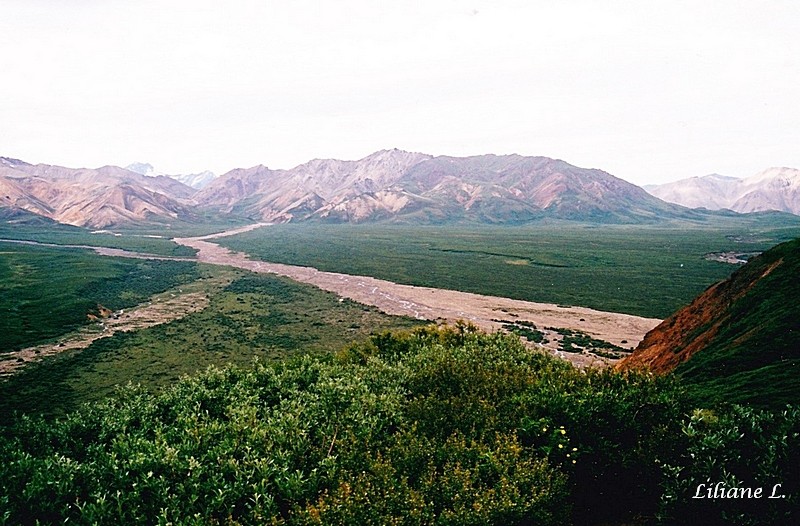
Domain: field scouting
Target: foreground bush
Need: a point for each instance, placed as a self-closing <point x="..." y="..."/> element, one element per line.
<point x="737" y="447"/>
<point x="437" y="426"/>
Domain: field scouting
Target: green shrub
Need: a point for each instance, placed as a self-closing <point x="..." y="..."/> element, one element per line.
<point x="737" y="447"/>
<point x="433" y="426"/>
<point x="455" y="482"/>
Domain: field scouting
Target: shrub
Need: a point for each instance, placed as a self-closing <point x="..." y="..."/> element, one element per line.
<point x="433" y="426"/>
<point x="739" y="447"/>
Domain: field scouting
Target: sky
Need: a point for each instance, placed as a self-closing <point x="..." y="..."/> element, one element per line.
<point x="649" y="91"/>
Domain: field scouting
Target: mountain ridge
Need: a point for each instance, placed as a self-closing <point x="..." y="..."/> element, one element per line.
<point x="97" y="198"/>
<point x="387" y="185"/>
<point x="776" y="188"/>
<point x="404" y="186"/>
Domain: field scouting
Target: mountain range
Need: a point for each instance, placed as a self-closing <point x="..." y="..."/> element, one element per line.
<point x="403" y="186"/>
<point x="773" y="189"/>
<point x="99" y="197"/>
<point x="388" y="185"/>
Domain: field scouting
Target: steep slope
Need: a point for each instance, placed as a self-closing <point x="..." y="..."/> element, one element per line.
<point x="403" y="186"/>
<point x="739" y="340"/>
<point x="97" y="198"/>
<point x="14" y="197"/>
<point x="773" y="189"/>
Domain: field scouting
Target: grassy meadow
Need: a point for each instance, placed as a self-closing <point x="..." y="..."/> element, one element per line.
<point x="647" y="271"/>
<point x="146" y="239"/>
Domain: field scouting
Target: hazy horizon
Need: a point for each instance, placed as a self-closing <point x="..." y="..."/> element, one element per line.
<point x="649" y="92"/>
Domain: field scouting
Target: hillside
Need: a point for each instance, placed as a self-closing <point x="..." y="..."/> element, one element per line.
<point x="773" y="189"/>
<point x="96" y="198"/>
<point x="412" y="187"/>
<point x="739" y="341"/>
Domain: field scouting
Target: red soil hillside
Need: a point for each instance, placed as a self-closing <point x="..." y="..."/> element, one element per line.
<point x="697" y="325"/>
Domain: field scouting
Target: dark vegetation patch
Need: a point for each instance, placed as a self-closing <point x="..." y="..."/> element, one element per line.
<point x="514" y="256"/>
<point x="578" y="341"/>
<point x="439" y="426"/>
<point x="46" y="292"/>
<point x="525" y="329"/>
<point x="646" y="271"/>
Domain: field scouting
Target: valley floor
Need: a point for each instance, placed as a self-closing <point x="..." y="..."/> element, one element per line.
<point x="487" y="312"/>
<point x="490" y="313"/>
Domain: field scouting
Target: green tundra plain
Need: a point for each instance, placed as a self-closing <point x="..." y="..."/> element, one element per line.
<point x="280" y="403"/>
<point x="249" y="316"/>
<point x="642" y="270"/>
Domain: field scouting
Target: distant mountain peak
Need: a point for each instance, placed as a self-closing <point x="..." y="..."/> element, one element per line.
<point x="771" y="189"/>
<point x="141" y="168"/>
<point x="718" y="177"/>
<point x="771" y="174"/>
<point x="12" y="163"/>
<point x="198" y="181"/>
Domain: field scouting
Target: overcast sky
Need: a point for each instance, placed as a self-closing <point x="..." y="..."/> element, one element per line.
<point x="649" y="91"/>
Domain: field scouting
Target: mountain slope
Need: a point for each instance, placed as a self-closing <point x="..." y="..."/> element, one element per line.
<point x="403" y="186"/>
<point x="713" y="192"/>
<point x="539" y="186"/>
<point x="739" y="341"/>
<point x="773" y="189"/>
<point x="321" y="186"/>
<point x="98" y="198"/>
<point x="388" y="185"/>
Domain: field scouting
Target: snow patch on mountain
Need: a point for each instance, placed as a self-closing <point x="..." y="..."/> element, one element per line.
<point x="198" y="181"/>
